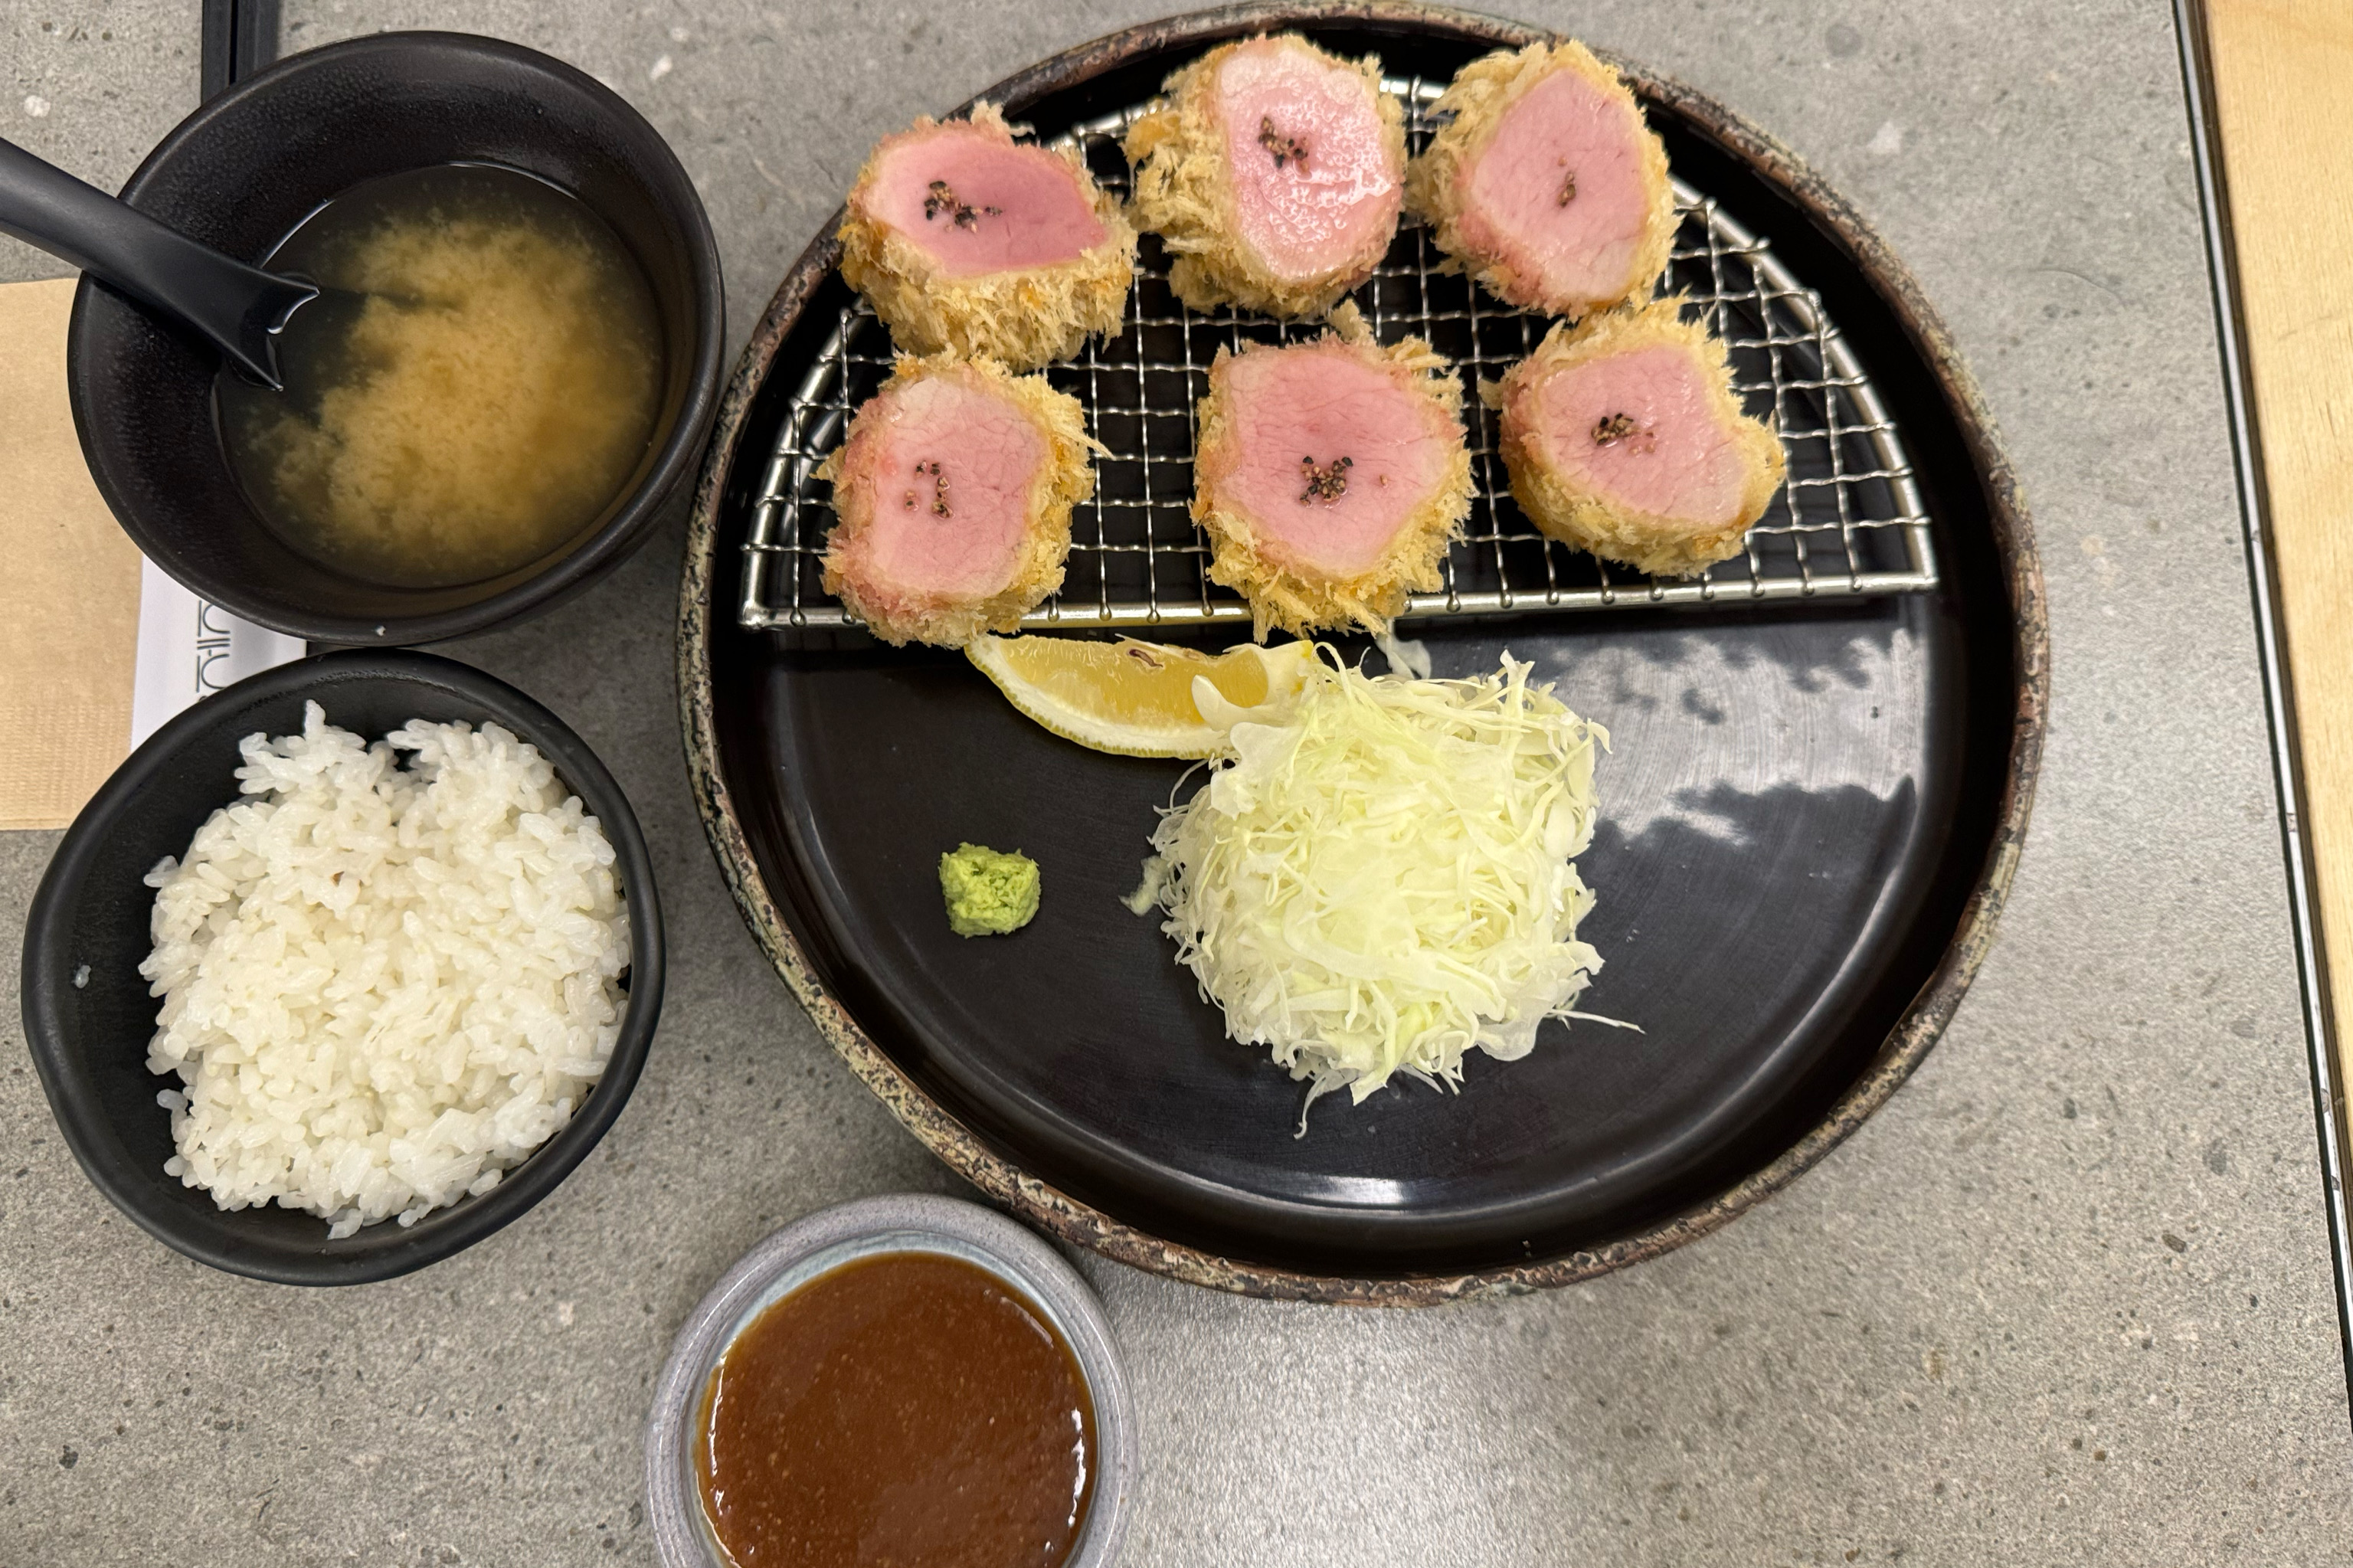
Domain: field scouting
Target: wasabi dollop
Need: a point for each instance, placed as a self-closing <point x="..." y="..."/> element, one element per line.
<point x="989" y="891"/>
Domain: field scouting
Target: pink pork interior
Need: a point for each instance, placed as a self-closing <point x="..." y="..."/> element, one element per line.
<point x="1564" y="129"/>
<point x="989" y="455"/>
<point x="1322" y="401"/>
<point x="1041" y="216"/>
<point x="1322" y="212"/>
<point x="1677" y="461"/>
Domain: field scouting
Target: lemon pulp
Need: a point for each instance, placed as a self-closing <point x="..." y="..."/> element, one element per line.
<point x="1139" y="699"/>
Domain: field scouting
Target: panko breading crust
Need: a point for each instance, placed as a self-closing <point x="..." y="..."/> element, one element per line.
<point x="1183" y="194"/>
<point x="1477" y="99"/>
<point x="1066" y="478"/>
<point x="1564" y="507"/>
<point x="1025" y="318"/>
<point x="1280" y="597"/>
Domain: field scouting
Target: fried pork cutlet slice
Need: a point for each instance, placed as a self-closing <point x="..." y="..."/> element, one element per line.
<point x="1623" y="437"/>
<point x="1275" y="172"/>
<point x="1547" y="186"/>
<point x="953" y="497"/>
<point x="967" y="241"/>
<point x="1330" y="476"/>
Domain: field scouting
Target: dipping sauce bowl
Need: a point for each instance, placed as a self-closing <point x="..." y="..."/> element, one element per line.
<point x="810" y="1253"/>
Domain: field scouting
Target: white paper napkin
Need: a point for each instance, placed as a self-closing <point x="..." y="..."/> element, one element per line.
<point x="189" y="649"/>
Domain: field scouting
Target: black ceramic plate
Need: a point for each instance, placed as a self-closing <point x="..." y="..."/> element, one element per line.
<point x="1809" y="821"/>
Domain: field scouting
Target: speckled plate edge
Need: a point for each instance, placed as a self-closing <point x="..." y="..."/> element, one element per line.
<point x="1065" y="1216"/>
<point x="866" y="1227"/>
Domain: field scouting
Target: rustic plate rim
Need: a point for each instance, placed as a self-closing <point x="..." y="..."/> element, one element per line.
<point x="1082" y="1224"/>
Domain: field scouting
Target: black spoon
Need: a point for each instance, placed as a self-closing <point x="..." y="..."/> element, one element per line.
<point x="241" y="309"/>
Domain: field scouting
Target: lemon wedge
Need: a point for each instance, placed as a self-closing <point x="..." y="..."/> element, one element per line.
<point x="1143" y="699"/>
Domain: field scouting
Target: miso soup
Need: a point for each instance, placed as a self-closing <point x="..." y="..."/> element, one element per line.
<point x="476" y="387"/>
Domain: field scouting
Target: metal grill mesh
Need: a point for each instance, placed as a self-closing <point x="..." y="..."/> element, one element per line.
<point x="1849" y="520"/>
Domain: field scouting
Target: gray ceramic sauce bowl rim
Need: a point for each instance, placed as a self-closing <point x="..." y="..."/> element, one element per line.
<point x="866" y="1227"/>
<point x="440" y="1235"/>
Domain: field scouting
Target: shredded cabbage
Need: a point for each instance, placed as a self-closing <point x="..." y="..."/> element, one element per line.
<point x="1382" y="881"/>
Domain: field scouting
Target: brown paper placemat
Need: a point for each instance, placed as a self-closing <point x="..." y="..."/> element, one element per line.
<point x="68" y="581"/>
<point x="2286" y="133"/>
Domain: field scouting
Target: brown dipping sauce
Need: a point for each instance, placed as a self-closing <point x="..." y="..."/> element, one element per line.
<point x="908" y="1408"/>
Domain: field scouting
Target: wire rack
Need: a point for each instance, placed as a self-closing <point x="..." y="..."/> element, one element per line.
<point x="1849" y="519"/>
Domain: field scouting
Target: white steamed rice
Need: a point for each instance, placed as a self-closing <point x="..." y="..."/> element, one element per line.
<point x="383" y="986"/>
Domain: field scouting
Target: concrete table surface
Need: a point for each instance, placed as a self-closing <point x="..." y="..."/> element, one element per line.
<point x="2064" y="1299"/>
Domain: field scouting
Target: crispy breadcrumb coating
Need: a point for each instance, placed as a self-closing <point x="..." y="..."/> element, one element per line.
<point x="1025" y="318"/>
<point x="1064" y="478"/>
<point x="1477" y="99"/>
<point x="1568" y="509"/>
<point x="1300" y="601"/>
<point x="1183" y="194"/>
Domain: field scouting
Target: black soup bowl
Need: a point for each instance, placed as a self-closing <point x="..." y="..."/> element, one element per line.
<point x="242" y="173"/>
<point x="89" y="1039"/>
